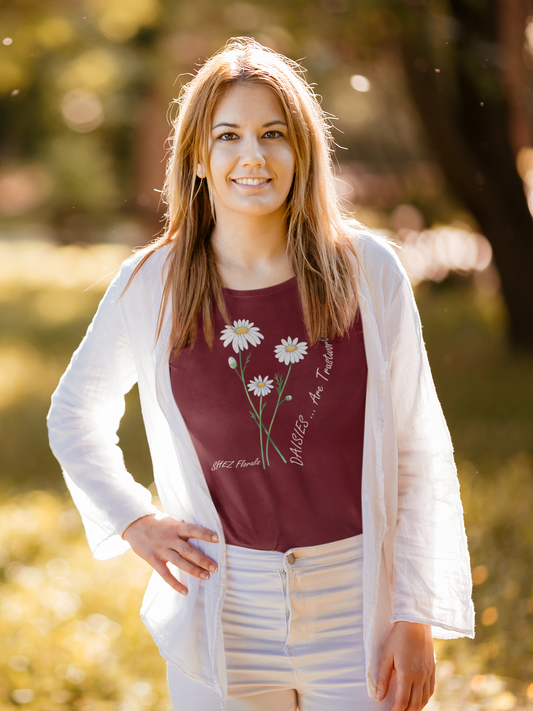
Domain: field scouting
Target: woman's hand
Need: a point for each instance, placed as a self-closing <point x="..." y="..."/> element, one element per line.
<point x="162" y="541"/>
<point x="409" y="654"/>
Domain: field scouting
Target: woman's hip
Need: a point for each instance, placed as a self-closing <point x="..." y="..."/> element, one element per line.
<point x="299" y="610"/>
<point x="293" y="632"/>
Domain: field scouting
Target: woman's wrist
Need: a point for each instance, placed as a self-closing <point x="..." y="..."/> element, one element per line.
<point x="410" y="622"/>
<point x="131" y="523"/>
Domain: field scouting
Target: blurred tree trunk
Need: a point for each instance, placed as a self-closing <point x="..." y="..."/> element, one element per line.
<point x="151" y="137"/>
<point x="473" y="120"/>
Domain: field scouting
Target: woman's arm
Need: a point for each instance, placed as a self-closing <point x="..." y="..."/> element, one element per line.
<point x="83" y="420"/>
<point x="431" y="581"/>
<point x="431" y="584"/>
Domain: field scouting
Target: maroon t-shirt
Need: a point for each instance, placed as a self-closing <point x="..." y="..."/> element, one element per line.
<point x="277" y="423"/>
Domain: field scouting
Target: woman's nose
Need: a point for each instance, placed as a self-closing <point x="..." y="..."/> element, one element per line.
<point x="252" y="155"/>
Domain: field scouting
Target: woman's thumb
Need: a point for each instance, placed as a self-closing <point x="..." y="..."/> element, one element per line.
<point x="386" y="665"/>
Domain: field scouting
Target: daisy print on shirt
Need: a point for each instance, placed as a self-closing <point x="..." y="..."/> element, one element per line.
<point x="289" y="352"/>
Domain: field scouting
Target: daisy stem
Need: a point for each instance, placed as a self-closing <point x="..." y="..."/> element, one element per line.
<point x="261" y="429"/>
<point x="280" y="393"/>
<point x="259" y="422"/>
<point x="241" y="375"/>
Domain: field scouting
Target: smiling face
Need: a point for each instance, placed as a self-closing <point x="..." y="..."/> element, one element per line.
<point x="251" y="159"/>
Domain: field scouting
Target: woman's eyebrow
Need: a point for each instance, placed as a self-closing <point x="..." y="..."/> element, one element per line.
<point x="235" y="125"/>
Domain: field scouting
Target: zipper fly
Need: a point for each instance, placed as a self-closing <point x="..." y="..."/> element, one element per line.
<point x="283" y="574"/>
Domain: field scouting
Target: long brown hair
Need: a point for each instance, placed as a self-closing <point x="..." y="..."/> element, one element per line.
<point x="320" y="237"/>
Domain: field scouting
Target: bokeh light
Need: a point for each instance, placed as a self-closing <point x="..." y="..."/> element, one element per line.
<point x="97" y="70"/>
<point x="120" y="20"/>
<point x="433" y="254"/>
<point x="22" y="188"/>
<point x="54" y="32"/>
<point x="360" y="83"/>
<point x="13" y="74"/>
<point x="82" y="110"/>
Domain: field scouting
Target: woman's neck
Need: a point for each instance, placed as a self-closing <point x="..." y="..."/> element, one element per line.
<point x="251" y="252"/>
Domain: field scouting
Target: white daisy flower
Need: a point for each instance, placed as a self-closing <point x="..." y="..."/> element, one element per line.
<point x="261" y="386"/>
<point x="240" y="334"/>
<point x="290" y="351"/>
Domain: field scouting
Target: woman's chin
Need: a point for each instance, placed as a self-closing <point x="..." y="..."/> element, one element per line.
<point x="250" y="208"/>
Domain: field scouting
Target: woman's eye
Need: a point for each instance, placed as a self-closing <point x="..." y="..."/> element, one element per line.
<point x="273" y="134"/>
<point x="229" y="136"/>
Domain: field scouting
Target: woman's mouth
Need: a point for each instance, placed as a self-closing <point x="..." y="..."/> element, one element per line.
<point x="253" y="182"/>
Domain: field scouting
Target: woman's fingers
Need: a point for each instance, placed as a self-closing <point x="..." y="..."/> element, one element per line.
<point x="192" y="530"/>
<point x="161" y="568"/>
<point x="426" y="694"/>
<point x="190" y="552"/>
<point x="417" y="692"/>
<point x="403" y="694"/>
<point x="159" y="541"/>
<point x="413" y="693"/>
<point x="193" y="555"/>
<point x="180" y="561"/>
<point x="432" y="683"/>
<point x="195" y="558"/>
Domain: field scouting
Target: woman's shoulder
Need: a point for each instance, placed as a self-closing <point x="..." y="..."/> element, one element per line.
<point x="378" y="257"/>
<point x="144" y="267"/>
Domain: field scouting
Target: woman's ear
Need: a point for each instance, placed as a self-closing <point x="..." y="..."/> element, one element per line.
<point x="200" y="172"/>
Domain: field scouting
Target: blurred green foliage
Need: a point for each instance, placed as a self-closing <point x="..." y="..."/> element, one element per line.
<point x="85" y="88"/>
<point x="72" y="637"/>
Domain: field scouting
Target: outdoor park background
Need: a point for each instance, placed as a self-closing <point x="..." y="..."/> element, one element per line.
<point x="433" y="100"/>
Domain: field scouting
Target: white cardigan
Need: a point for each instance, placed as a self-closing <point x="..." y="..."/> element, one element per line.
<point x="416" y="563"/>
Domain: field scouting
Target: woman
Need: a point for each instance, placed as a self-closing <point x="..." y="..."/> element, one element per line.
<point x="312" y="540"/>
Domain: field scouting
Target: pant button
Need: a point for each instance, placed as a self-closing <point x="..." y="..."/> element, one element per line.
<point x="291" y="558"/>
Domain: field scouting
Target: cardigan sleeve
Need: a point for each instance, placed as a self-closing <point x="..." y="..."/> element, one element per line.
<point x="431" y="568"/>
<point x="83" y="420"/>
